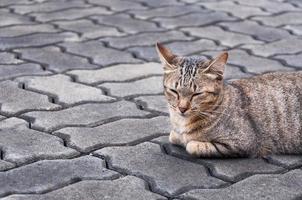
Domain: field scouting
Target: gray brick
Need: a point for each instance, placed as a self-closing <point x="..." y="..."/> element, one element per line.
<point x="92" y="50"/>
<point x="18" y="30"/>
<point x="14" y="99"/>
<point x="233" y="8"/>
<point x="4" y="165"/>
<point x="8" y="58"/>
<point x="21" y="144"/>
<point x="288" y="161"/>
<point x="34" y="177"/>
<point x="281" y="19"/>
<point x="255" y="64"/>
<point x="270" y="6"/>
<point x="126" y="188"/>
<point x="231" y="170"/>
<point x="122" y="132"/>
<point x="64" y="91"/>
<point x="169" y="175"/>
<point x="194" y="19"/>
<point x="284" y="46"/>
<point x="293" y="60"/>
<point x="34" y="40"/>
<point x="70" y="14"/>
<point x="152" y="85"/>
<point x="11" y="71"/>
<point x="170" y="11"/>
<point x="88" y="29"/>
<point x="83" y="115"/>
<point x="48" y="6"/>
<point x="296" y="29"/>
<point x="179" y="48"/>
<point x="121" y="72"/>
<point x="54" y="59"/>
<point x="12" y="2"/>
<point x="127" y="24"/>
<point x="234" y="72"/>
<point x="159" y="3"/>
<point x="144" y="39"/>
<point x="252" y="28"/>
<point x="277" y="187"/>
<point x="154" y="102"/>
<point x="118" y="5"/>
<point x="12" y="19"/>
<point x="226" y="38"/>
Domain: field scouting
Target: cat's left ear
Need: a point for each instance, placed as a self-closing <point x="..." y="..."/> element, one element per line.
<point x="166" y="56"/>
<point x="216" y="66"/>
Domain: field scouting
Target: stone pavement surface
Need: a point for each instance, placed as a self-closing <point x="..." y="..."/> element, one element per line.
<point x="82" y="113"/>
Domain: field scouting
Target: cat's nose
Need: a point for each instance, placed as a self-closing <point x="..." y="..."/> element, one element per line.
<point x="183" y="109"/>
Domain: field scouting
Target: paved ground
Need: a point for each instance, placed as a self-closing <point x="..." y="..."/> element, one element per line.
<point x="82" y="112"/>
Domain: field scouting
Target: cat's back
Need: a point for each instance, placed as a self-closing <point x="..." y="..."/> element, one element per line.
<point x="274" y="103"/>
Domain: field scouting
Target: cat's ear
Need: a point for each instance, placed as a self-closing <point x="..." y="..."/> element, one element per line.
<point x="215" y="69"/>
<point x="166" y="56"/>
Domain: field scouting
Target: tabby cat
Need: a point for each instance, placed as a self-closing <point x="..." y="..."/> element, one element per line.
<point x="251" y="117"/>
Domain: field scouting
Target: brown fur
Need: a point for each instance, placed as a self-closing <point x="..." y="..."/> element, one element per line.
<point x="250" y="117"/>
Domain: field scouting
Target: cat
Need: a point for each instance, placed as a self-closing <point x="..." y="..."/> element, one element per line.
<point x="251" y="117"/>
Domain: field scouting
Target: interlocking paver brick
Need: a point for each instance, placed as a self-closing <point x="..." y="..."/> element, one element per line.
<point x="159" y="3"/>
<point x="4" y="165"/>
<point x="255" y="64"/>
<point x="99" y="53"/>
<point x="179" y="48"/>
<point x="281" y="19"/>
<point x="12" y="19"/>
<point x="18" y="30"/>
<point x="70" y="14"/>
<point x="63" y="89"/>
<point x="21" y="144"/>
<point x="126" y="188"/>
<point x="122" y="132"/>
<point x="277" y="187"/>
<point x="35" y="177"/>
<point x="235" y="9"/>
<point x="54" y="59"/>
<point x="145" y="39"/>
<point x="170" y="11"/>
<point x="127" y="24"/>
<point x="48" y="6"/>
<point x="293" y="60"/>
<point x="260" y="32"/>
<point x="121" y="72"/>
<point x="152" y="85"/>
<point x="118" y="5"/>
<point x="226" y="38"/>
<point x="85" y="114"/>
<point x="228" y="169"/>
<point x="289" y="161"/>
<point x="88" y="29"/>
<point x="270" y="6"/>
<point x="168" y="175"/>
<point x="8" y="58"/>
<point x="284" y="46"/>
<point x="154" y="102"/>
<point x="34" y="40"/>
<point x="14" y="99"/>
<point x="13" y="2"/>
<point x="194" y="19"/>
<point x="296" y="29"/>
<point x="11" y="71"/>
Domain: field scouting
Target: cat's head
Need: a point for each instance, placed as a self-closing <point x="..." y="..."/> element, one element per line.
<point x="192" y="86"/>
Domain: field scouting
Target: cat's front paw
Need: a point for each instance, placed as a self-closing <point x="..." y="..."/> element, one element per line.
<point x="193" y="148"/>
<point x="174" y="138"/>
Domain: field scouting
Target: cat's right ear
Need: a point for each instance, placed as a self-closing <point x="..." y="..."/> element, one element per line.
<point x="166" y="56"/>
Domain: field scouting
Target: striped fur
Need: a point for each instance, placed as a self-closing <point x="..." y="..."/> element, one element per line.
<point x="250" y="117"/>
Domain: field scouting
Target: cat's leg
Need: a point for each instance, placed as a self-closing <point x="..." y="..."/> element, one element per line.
<point x="204" y="149"/>
<point x="175" y="138"/>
